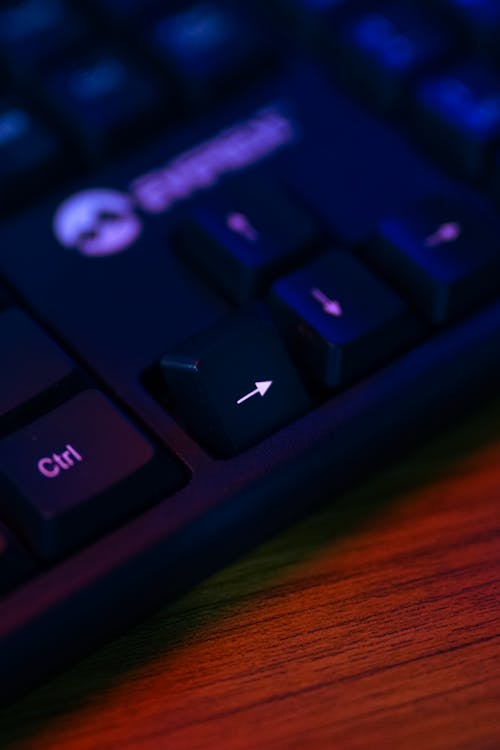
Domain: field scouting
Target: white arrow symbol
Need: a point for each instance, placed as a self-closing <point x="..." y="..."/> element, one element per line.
<point x="330" y="306"/>
<point x="448" y="232"/>
<point x="261" y="387"/>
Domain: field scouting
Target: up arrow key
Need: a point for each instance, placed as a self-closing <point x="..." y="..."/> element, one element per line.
<point x="261" y="386"/>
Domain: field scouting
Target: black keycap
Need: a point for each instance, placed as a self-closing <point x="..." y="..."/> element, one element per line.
<point x="477" y="20"/>
<point x="36" y="32"/>
<point x="105" y="100"/>
<point x="32" y="364"/>
<point x="341" y="319"/>
<point x="312" y="18"/>
<point x="444" y="254"/>
<point x="234" y="384"/>
<point x="77" y="471"/>
<point x="30" y="156"/>
<point x="208" y="48"/>
<point x="384" y="51"/>
<point x="15" y="564"/>
<point x="496" y="179"/>
<point x="245" y="234"/>
<point x="130" y="11"/>
<point x="458" y="114"/>
<point x="4" y="299"/>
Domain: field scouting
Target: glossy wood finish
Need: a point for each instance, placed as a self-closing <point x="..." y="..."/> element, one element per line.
<point x="374" y="624"/>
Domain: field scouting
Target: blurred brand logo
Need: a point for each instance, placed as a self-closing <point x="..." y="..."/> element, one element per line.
<point x="104" y="222"/>
<point x="97" y="222"/>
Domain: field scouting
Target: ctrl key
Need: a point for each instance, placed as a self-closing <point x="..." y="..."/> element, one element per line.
<point x="79" y="471"/>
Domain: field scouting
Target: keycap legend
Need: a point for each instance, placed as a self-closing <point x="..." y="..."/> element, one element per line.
<point x="330" y="306"/>
<point x="240" y="224"/>
<point x="51" y="467"/>
<point x="261" y="387"/>
<point x="446" y="233"/>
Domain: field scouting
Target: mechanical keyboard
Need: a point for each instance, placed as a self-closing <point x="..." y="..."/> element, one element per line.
<point x="249" y="253"/>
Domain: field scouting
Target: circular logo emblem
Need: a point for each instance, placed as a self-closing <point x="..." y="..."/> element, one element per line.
<point x="97" y="222"/>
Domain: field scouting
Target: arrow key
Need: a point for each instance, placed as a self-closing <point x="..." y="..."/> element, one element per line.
<point x="234" y="384"/>
<point x="341" y="319"/>
<point x="244" y="235"/>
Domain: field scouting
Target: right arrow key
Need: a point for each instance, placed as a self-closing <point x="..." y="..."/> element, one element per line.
<point x="234" y="384"/>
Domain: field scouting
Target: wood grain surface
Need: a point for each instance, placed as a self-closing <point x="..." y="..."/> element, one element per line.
<point x="374" y="624"/>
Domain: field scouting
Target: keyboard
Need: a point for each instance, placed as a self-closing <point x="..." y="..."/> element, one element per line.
<point x="249" y="253"/>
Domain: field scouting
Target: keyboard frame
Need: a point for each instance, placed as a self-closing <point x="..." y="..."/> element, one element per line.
<point x="230" y="506"/>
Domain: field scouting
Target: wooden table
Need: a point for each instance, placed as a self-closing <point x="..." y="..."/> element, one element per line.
<point x="374" y="624"/>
